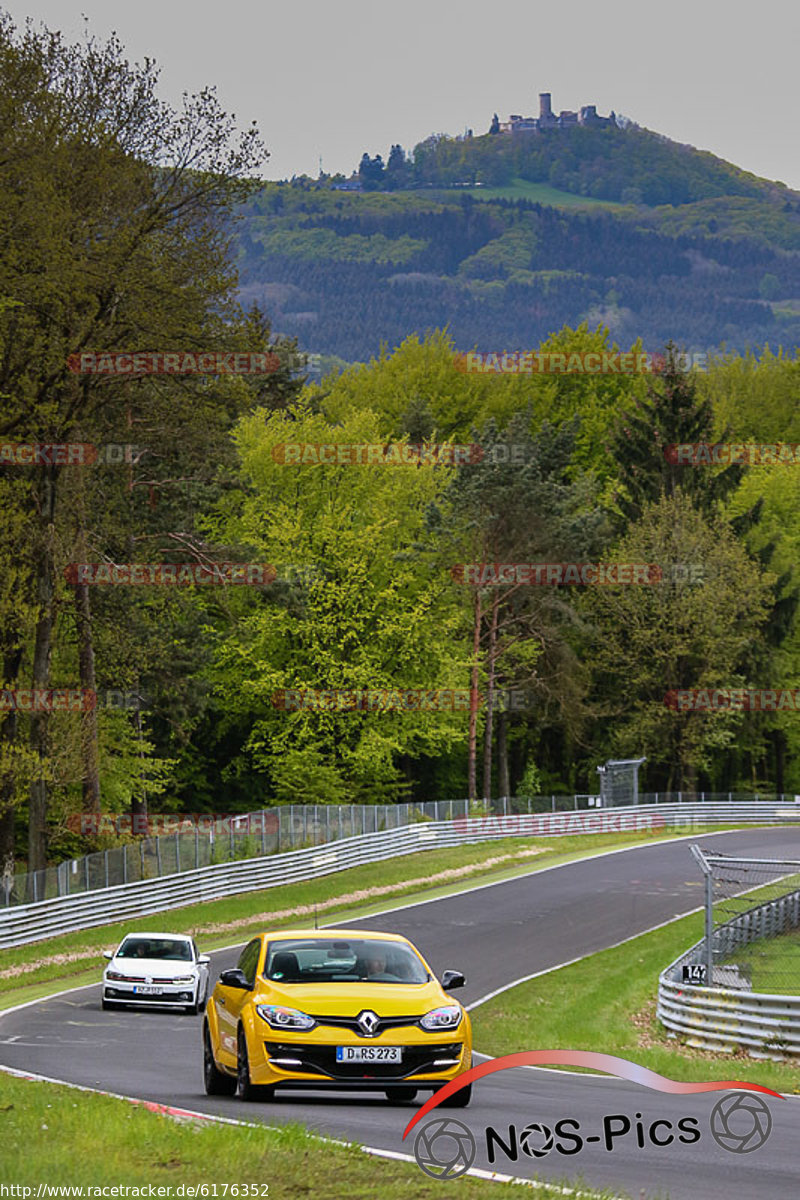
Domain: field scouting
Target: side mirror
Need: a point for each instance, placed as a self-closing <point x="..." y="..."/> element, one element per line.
<point x="203" y="960"/>
<point x="452" y="979"/>
<point x="235" y="979"/>
<point x="108" y="954"/>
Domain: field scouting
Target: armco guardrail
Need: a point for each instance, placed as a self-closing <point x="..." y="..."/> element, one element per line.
<point x="722" y="1018"/>
<point x="32" y="922"/>
<point x="276" y="830"/>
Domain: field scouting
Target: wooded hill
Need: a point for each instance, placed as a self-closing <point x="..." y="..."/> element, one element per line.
<point x="504" y="238"/>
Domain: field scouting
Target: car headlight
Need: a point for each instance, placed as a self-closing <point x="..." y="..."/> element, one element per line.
<point x="446" y="1017"/>
<point x="183" y="979"/>
<point x="114" y="975"/>
<point x="284" y="1018"/>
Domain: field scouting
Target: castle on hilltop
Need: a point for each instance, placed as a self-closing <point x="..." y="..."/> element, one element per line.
<point x="547" y="119"/>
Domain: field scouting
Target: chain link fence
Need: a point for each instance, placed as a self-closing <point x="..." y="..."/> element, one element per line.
<point x="289" y="827"/>
<point x="752" y="924"/>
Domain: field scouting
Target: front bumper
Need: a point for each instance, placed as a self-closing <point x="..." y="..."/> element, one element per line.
<point x="311" y="1065"/>
<point x="176" y="994"/>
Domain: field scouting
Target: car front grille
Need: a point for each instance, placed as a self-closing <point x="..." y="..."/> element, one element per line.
<point x="321" y="1060"/>
<point x="183" y="997"/>
<point x="384" y="1023"/>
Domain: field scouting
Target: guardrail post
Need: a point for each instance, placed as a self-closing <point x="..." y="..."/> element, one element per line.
<point x="280" y="822"/>
<point x="141" y="854"/>
<point x="263" y="832"/>
<point x="86" y="870"/>
<point x="230" y="826"/>
<point x="158" y="854"/>
<point x="709" y="922"/>
<point x="177" y="850"/>
<point x="197" y="846"/>
<point x="125" y="862"/>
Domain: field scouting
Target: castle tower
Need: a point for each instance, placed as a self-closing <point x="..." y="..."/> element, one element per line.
<point x="545" y="111"/>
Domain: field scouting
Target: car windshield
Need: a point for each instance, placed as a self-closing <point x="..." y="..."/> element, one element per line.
<point x="167" y="948"/>
<point x="320" y="960"/>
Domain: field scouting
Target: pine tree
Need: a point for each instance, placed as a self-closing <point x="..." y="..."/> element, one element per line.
<point x="670" y="414"/>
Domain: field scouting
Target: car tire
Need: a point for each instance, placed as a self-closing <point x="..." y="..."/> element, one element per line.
<point x="246" y="1090"/>
<point x="399" y="1095"/>
<point x="216" y="1082"/>
<point x="458" y="1099"/>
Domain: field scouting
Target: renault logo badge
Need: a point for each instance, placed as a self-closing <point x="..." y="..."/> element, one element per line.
<point x="369" y="1022"/>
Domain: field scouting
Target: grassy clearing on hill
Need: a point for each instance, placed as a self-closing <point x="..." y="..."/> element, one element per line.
<point x="540" y="193"/>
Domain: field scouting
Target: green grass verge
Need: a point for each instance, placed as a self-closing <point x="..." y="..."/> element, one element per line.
<point x="38" y="969"/>
<point x="59" y="1136"/>
<point x="773" y="963"/>
<point x="607" y="1003"/>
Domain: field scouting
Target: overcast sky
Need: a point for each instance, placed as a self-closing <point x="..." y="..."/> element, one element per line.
<point x="334" y="79"/>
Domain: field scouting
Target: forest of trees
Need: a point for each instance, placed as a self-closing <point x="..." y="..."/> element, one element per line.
<point x="117" y="233"/>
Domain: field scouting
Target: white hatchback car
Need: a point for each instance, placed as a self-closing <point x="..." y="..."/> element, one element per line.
<point x="156" y="968"/>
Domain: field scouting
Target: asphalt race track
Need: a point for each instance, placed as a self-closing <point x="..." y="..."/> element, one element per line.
<point x="495" y="934"/>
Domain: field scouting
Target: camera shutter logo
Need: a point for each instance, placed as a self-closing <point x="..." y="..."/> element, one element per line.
<point x="444" y="1148"/>
<point x="740" y="1122"/>
<point x="536" y="1140"/>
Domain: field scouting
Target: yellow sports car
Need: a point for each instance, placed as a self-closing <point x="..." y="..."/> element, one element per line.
<point x="334" y="1009"/>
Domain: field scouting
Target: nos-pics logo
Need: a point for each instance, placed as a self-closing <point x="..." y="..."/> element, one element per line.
<point x="445" y="1148"/>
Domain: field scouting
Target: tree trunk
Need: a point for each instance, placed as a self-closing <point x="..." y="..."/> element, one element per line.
<point x="779" y="738"/>
<point x="89" y="748"/>
<point x="502" y="754"/>
<point x="473" y="701"/>
<point x="139" y="803"/>
<point x="489" y="728"/>
<point x="8" y="734"/>
<point x="40" y="720"/>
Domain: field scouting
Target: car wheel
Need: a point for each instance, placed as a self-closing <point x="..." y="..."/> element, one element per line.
<point x="246" y="1090"/>
<point x="398" y="1094"/>
<point x="458" y="1099"/>
<point x="216" y="1083"/>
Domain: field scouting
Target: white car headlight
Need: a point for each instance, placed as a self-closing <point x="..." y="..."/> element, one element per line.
<point x="280" y="1017"/>
<point x="183" y="979"/>
<point x="446" y="1017"/>
<point x="114" y="975"/>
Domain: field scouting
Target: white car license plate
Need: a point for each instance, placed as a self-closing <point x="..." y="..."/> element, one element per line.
<point x="142" y="990"/>
<point x="386" y="1054"/>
